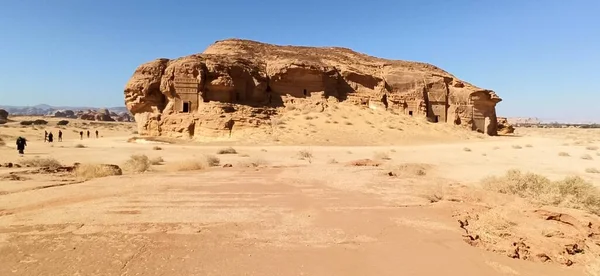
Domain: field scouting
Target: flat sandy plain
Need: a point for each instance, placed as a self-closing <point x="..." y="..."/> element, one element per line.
<point x="276" y="213"/>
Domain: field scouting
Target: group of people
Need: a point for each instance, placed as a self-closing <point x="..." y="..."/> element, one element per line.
<point x="88" y="134"/>
<point x="48" y="137"/>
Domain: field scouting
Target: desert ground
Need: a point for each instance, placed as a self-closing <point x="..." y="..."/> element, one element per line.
<point x="414" y="199"/>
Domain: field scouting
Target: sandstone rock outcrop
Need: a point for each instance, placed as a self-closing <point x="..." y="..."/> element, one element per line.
<point x="504" y="127"/>
<point x="3" y="116"/>
<point x="239" y="83"/>
<point x="95" y="115"/>
<point x="63" y="114"/>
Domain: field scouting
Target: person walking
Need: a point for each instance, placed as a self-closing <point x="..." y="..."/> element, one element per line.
<point x="45" y="135"/>
<point x="81" y="135"/>
<point x="21" y="143"/>
<point x="60" y="135"/>
<point x="88" y="133"/>
<point x="96" y="134"/>
<point x="50" y="137"/>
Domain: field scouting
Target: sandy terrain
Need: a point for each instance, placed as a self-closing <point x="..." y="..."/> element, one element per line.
<point x="316" y="215"/>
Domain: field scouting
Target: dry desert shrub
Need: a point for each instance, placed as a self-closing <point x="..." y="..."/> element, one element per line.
<point x="348" y="123"/>
<point x="201" y="163"/>
<point x="253" y="163"/>
<point x="228" y="150"/>
<point x="592" y="170"/>
<point x="586" y="157"/>
<point x="380" y="155"/>
<point x="91" y="171"/>
<point x="156" y="160"/>
<point x="137" y="163"/>
<point x="467" y="149"/>
<point x="492" y="224"/>
<point x="564" y="154"/>
<point x="410" y="169"/>
<point x="305" y="155"/>
<point x="42" y="163"/>
<point x="573" y="192"/>
<point x="156" y="148"/>
<point x="529" y="146"/>
<point x="434" y="194"/>
<point x="516" y="147"/>
<point x="79" y="146"/>
<point x="364" y="163"/>
<point x="591" y="148"/>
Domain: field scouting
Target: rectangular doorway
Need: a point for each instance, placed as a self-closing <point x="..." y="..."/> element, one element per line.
<point x="186" y="107"/>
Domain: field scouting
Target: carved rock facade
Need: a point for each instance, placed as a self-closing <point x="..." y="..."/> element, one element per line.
<point x="239" y="83"/>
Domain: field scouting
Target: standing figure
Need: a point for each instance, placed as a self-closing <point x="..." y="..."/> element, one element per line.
<point x="21" y="143"/>
<point x="81" y="135"/>
<point x="96" y="134"/>
<point x="45" y="135"/>
<point x="88" y="133"/>
<point x="60" y="135"/>
<point x="50" y="137"/>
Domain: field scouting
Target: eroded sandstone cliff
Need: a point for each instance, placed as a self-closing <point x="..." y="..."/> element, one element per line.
<point x="239" y="83"/>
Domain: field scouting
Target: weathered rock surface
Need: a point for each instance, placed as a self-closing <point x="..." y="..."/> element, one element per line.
<point x="240" y="83"/>
<point x="95" y="115"/>
<point x="504" y="127"/>
<point x="3" y="116"/>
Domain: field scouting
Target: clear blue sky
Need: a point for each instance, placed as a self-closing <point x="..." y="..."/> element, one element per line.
<point x="541" y="57"/>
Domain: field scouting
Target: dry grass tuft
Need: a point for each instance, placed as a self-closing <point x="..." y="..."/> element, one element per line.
<point x="493" y="223"/>
<point x="417" y="169"/>
<point x="586" y="157"/>
<point x="156" y="148"/>
<point x="434" y="194"/>
<point x="364" y="163"/>
<point x="42" y="163"/>
<point x="529" y="146"/>
<point x="137" y="163"/>
<point x="156" y="160"/>
<point x="592" y="170"/>
<point x="591" y="148"/>
<point x="91" y="171"/>
<point x="467" y="149"/>
<point x="564" y="154"/>
<point x="253" y="163"/>
<point x="228" y="150"/>
<point x="573" y="192"/>
<point x="202" y="163"/>
<point x="305" y="155"/>
<point x="80" y="146"/>
<point x="516" y="147"/>
<point x="381" y="156"/>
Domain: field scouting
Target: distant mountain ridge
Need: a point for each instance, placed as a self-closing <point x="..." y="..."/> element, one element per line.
<point x="44" y="109"/>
